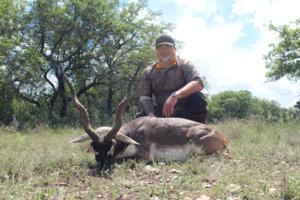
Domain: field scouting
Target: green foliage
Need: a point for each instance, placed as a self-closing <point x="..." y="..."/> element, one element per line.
<point x="10" y="25"/>
<point x="242" y="104"/>
<point x="230" y="104"/>
<point x="11" y="13"/>
<point x="6" y="96"/>
<point x="97" y="43"/>
<point x="284" y="58"/>
<point x="5" y="106"/>
<point x="268" y="110"/>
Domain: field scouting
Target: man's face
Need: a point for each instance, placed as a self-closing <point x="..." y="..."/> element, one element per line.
<point x="165" y="53"/>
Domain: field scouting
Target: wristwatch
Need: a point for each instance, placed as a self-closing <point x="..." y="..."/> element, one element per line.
<point x="174" y="94"/>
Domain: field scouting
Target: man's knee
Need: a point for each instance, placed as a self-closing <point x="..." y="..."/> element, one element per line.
<point x="197" y="104"/>
<point x="196" y="108"/>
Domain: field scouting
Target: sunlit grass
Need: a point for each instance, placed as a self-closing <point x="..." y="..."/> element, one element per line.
<point x="41" y="164"/>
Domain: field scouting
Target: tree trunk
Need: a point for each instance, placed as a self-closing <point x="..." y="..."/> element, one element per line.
<point x="109" y="99"/>
<point x="63" y="99"/>
<point x="59" y="95"/>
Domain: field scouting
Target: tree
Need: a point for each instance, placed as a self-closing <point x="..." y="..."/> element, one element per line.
<point x="268" y="110"/>
<point x="11" y="13"/>
<point x="284" y="58"/>
<point x="241" y="104"/>
<point x="230" y="104"/>
<point x="96" y="42"/>
<point x="91" y="40"/>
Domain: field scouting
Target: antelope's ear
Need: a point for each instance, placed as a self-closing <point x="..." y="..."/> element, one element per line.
<point x="123" y="138"/>
<point x="80" y="139"/>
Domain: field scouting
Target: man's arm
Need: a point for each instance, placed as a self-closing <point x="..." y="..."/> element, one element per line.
<point x="194" y="84"/>
<point x="187" y="90"/>
<point x="146" y="94"/>
<point x="147" y="105"/>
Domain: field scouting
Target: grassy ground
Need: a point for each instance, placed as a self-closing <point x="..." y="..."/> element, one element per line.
<point x="41" y="164"/>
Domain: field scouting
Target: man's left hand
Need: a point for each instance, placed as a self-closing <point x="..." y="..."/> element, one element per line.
<point x="169" y="105"/>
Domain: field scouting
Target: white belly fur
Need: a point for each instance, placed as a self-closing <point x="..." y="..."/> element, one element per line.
<point x="173" y="153"/>
<point x="164" y="153"/>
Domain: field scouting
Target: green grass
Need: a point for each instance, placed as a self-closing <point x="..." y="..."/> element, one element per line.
<point x="41" y="164"/>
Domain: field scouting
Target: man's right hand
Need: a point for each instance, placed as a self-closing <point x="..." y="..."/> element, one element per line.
<point x="169" y="105"/>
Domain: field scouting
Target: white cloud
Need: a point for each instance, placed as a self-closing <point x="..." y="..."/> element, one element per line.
<point x="213" y="50"/>
<point x="203" y="7"/>
<point x="203" y="43"/>
<point x="265" y="11"/>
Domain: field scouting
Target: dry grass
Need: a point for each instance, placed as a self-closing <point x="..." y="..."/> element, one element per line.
<point x="42" y="165"/>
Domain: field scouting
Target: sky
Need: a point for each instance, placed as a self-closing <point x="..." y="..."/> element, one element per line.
<point x="227" y="39"/>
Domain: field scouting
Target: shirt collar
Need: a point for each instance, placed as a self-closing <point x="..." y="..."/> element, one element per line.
<point x="160" y="65"/>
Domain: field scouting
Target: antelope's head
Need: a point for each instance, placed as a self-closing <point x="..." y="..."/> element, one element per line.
<point x="104" y="140"/>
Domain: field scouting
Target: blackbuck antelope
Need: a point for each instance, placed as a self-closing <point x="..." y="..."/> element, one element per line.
<point x="148" y="138"/>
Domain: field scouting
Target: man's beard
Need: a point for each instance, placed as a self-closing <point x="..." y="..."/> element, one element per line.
<point x="165" y="59"/>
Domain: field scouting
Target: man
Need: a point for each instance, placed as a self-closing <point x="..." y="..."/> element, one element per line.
<point x="175" y="84"/>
